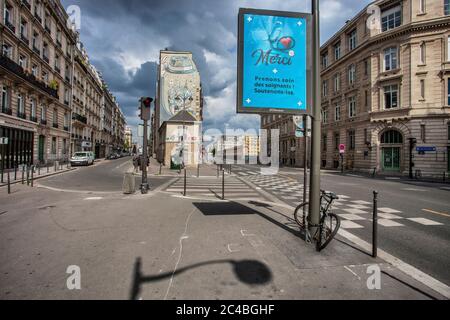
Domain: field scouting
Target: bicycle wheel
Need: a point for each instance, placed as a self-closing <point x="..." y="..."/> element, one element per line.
<point x="301" y="214"/>
<point x="329" y="227"/>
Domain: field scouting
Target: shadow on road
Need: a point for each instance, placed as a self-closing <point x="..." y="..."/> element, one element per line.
<point x="250" y="272"/>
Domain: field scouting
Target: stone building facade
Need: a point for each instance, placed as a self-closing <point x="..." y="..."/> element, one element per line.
<point x="50" y="96"/>
<point x="386" y="90"/>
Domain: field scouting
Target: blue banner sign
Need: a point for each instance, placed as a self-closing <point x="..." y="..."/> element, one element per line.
<point x="426" y="149"/>
<point x="273" y="62"/>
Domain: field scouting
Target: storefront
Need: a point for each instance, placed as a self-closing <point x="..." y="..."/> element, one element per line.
<point x="19" y="149"/>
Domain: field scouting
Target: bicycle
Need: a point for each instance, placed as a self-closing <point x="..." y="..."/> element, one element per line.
<point x="329" y="223"/>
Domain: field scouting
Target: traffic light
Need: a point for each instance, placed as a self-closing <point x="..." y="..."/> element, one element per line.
<point x="144" y="108"/>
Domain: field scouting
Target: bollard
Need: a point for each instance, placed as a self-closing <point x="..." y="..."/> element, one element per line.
<point x="9" y="184"/>
<point x="28" y="175"/>
<point x="160" y="168"/>
<point x="55" y="167"/>
<point x="32" y="176"/>
<point x="374" y="172"/>
<point x="2" y="175"/>
<point x="129" y="183"/>
<point x="198" y="170"/>
<point x="217" y="171"/>
<point x="444" y="176"/>
<point x="48" y="166"/>
<point x="375" y="225"/>
<point x="184" y="189"/>
<point x="223" y="183"/>
<point x="23" y="172"/>
<point x="15" y="172"/>
<point x="39" y="170"/>
<point x="230" y="169"/>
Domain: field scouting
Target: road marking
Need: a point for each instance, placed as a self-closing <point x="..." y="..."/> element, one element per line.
<point x="389" y="223"/>
<point x="94" y="198"/>
<point x="413" y="272"/>
<point x="230" y="249"/>
<point x="435" y="212"/>
<point x="388" y="210"/>
<point x="426" y="222"/>
<point x="412" y="189"/>
<point x="347" y="224"/>
<point x="352" y="272"/>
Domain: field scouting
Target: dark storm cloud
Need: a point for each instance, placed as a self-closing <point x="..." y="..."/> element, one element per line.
<point x="123" y="39"/>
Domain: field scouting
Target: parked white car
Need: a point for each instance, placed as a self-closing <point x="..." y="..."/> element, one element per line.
<point x="85" y="158"/>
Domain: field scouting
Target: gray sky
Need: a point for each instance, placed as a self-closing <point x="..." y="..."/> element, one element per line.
<point x="123" y="39"/>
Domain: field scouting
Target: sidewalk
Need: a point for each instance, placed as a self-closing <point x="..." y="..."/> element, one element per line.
<point x="161" y="246"/>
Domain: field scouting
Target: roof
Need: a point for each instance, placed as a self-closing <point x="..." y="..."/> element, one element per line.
<point x="183" y="116"/>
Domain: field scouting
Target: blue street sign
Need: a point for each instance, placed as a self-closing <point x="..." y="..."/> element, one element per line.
<point x="273" y="72"/>
<point x="426" y="149"/>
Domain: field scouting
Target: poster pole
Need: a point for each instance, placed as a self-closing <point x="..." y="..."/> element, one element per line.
<point x="314" y="191"/>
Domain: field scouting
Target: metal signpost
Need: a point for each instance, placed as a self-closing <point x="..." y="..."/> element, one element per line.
<point x="3" y="142"/>
<point x="145" y="104"/>
<point x="341" y="154"/>
<point x="278" y="73"/>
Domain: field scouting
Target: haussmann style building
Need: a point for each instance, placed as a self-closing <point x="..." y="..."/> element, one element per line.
<point x="385" y="92"/>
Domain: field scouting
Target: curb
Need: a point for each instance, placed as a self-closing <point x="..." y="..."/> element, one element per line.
<point x="40" y="177"/>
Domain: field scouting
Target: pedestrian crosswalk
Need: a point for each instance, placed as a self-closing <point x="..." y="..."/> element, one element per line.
<point x="355" y="214"/>
<point x="234" y="189"/>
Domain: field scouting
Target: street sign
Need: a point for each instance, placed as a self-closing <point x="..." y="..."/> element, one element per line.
<point x="342" y="148"/>
<point x="426" y="149"/>
<point x="274" y="62"/>
<point x="4" y="141"/>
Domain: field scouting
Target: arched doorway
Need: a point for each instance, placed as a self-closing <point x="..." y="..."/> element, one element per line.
<point x="391" y="150"/>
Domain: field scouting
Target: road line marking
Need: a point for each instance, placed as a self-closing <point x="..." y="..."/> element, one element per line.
<point x="425" y="222"/>
<point x="435" y="212"/>
<point x="413" y="272"/>
<point x="351" y="271"/>
<point x="94" y="198"/>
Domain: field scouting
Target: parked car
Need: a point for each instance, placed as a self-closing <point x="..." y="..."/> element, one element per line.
<point x="85" y="158"/>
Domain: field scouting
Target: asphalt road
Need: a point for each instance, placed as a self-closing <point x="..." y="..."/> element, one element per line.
<point x="421" y="243"/>
<point x="104" y="176"/>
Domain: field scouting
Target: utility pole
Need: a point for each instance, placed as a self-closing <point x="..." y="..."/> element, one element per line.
<point x="314" y="190"/>
<point x="305" y="159"/>
<point x="144" y="107"/>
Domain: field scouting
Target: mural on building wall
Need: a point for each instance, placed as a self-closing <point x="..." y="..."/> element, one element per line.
<point x="180" y="85"/>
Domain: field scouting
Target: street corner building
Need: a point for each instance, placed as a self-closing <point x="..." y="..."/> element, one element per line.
<point x="178" y="115"/>
<point x="385" y="92"/>
<point x="53" y="101"/>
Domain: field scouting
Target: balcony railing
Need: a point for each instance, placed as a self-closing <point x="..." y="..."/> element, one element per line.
<point x="55" y="125"/>
<point x="25" y="39"/>
<point x="57" y="69"/>
<point x="13" y="67"/>
<point x="66" y="102"/>
<point x="58" y="43"/>
<point x="43" y="122"/>
<point x="10" y="26"/>
<point x="46" y="59"/>
<point x="48" y="29"/>
<point x="66" y="128"/>
<point x="36" y="50"/>
<point x="38" y="17"/>
<point x="21" y="115"/>
<point x="33" y="119"/>
<point x="7" y="111"/>
<point x="80" y="118"/>
<point x="26" y="4"/>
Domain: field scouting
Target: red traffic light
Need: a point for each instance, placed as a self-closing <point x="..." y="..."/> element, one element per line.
<point x="147" y="102"/>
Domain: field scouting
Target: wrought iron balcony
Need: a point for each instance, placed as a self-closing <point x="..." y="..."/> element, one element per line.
<point x="33" y="119"/>
<point x="10" y="26"/>
<point x="27" y="4"/>
<point x="13" y="67"/>
<point x="80" y="118"/>
<point x="7" y="110"/>
<point x="21" y="115"/>
<point x="38" y="17"/>
<point x="66" y="128"/>
<point x="24" y="39"/>
<point x="45" y="58"/>
<point x="36" y="50"/>
<point x="55" y="125"/>
<point x="43" y="122"/>
<point x="48" y="29"/>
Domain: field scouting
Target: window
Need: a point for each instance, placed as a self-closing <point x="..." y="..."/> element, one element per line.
<point x="337" y="112"/>
<point x="35" y="40"/>
<point x="324" y="143"/>
<point x="366" y="99"/>
<point x="23" y="28"/>
<point x="34" y="70"/>
<point x="45" y="77"/>
<point x="391" y="96"/>
<point x="366" y="67"/>
<point x="33" y="108"/>
<point x="325" y="116"/>
<point x="352" y="107"/>
<point x="352" y="40"/>
<point x="447" y="7"/>
<point x="351" y="74"/>
<point x="337" y="82"/>
<point x="422" y="89"/>
<point x="20" y="105"/>
<point x="351" y="139"/>
<point x="391" y="19"/>
<point x="337" y="141"/>
<point x="448" y="91"/>
<point x="54" y="146"/>
<point x="422" y="6"/>
<point x="43" y="113"/>
<point x="57" y="63"/>
<point x="7" y="50"/>
<point x="366" y="136"/>
<point x="8" y="14"/>
<point x="392" y="137"/>
<point x="5" y="99"/>
<point x="390" y="59"/>
<point x="324" y="88"/>
<point x="422" y="53"/>
<point x="423" y="133"/>
<point x="23" y="61"/>
<point x="448" y="48"/>
<point x="337" y="51"/>
<point x="325" y="61"/>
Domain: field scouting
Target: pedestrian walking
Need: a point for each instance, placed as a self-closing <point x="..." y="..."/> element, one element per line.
<point x="136" y="163"/>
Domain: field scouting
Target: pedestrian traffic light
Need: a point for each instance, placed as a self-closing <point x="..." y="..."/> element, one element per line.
<point x="144" y="108"/>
